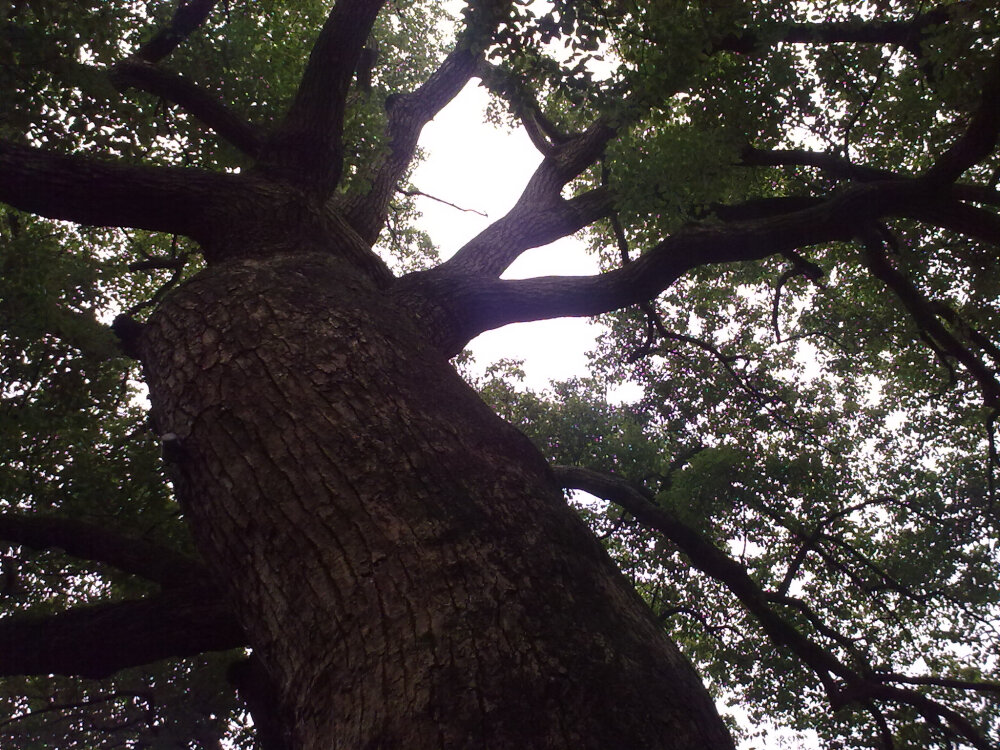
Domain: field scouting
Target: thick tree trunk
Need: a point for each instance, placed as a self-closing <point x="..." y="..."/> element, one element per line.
<point x="404" y="566"/>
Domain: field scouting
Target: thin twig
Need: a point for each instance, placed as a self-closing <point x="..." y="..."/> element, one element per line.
<point x="413" y="192"/>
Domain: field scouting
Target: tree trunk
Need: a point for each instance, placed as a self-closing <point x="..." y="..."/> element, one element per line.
<point x="403" y="564"/>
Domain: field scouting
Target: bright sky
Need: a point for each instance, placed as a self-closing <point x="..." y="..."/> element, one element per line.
<point x="482" y="168"/>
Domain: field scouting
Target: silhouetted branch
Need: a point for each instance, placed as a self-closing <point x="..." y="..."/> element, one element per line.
<point x="307" y="148"/>
<point x="408" y="113"/>
<point x="194" y="100"/>
<point x="980" y="137"/>
<point x="98" y="543"/>
<point x="539" y="217"/>
<point x="544" y="134"/>
<point x="923" y="314"/>
<point x="843" y="685"/>
<point x="106" y="193"/>
<point x="906" y="34"/>
<point x="97" y="641"/>
<point x="187" y="18"/>
<point x="945" y="682"/>
<point x="473" y="300"/>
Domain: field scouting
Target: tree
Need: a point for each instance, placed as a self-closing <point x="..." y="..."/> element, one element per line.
<point x="764" y="182"/>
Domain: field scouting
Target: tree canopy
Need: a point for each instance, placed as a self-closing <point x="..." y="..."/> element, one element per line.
<point x="795" y="208"/>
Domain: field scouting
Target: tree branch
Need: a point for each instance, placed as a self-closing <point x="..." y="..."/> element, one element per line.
<point x="97" y="641"/>
<point x="307" y="149"/>
<point x="409" y="113"/>
<point x="414" y="193"/>
<point x="945" y="682"/>
<point x="97" y="543"/>
<point x="540" y="215"/>
<point x="466" y="303"/>
<point x="543" y="132"/>
<point x="949" y="211"/>
<point x="923" y="314"/>
<point x="907" y="34"/>
<point x="707" y="558"/>
<point x="532" y="222"/>
<point x="837" y="166"/>
<point x="104" y="193"/>
<point x="979" y="138"/>
<point x="187" y="18"/>
<point x="843" y="685"/>
<point x="193" y="99"/>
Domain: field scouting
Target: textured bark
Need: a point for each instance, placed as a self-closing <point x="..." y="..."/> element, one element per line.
<point x="401" y="559"/>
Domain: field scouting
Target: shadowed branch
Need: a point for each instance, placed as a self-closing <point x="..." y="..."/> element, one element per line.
<point x="97" y="641"/>
<point x="97" y="543"/>
<point x="307" y="149"/>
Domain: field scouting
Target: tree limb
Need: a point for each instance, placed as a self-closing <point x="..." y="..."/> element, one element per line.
<point x="307" y="148"/>
<point x="104" y="193"/>
<point x="923" y="314"/>
<point x="97" y="641"/>
<point x="468" y="303"/>
<point x="945" y="682"/>
<point x="951" y="210"/>
<point x="707" y="558"/>
<point x="836" y="166"/>
<point x="541" y="130"/>
<point x="409" y="113"/>
<point x="979" y="138"/>
<point x="907" y="34"/>
<point x="540" y="215"/>
<point x="534" y="221"/>
<point x="97" y="543"/>
<point x="187" y="18"/>
<point x="843" y="684"/>
<point x="193" y="99"/>
<point x="840" y="167"/>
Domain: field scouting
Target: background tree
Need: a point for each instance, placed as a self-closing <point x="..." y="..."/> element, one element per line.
<point x="795" y="207"/>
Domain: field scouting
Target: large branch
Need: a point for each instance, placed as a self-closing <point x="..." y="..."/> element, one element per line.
<point x="97" y="543"/>
<point x="923" y="314"/>
<point x="188" y="17"/>
<point x="408" y="114"/>
<point x="194" y="100"/>
<point x="836" y="166"/>
<point x="540" y="215"/>
<point x="104" y="193"/>
<point x="524" y="105"/>
<point x="980" y="137"/>
<point x="951" y="210"/>
<point x="907" y="34"/>
<point x="97" y="641"/>
<point x="468" y="303"/>
<point x="841" y="168"/>
<point x="307" y="149"/>
<point x="709" y="559"/>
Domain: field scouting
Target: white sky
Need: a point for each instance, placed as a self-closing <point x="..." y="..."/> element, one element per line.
<point x="477" y="166"/>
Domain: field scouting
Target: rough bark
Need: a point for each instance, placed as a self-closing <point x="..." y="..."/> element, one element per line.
<point x="401" y="559"/>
